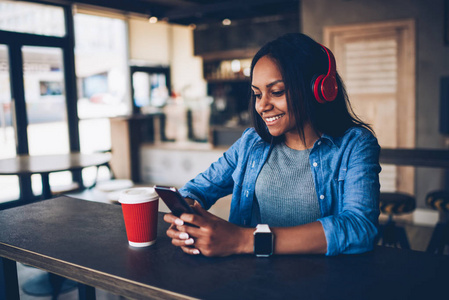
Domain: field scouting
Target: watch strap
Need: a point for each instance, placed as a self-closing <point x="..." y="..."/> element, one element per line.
<point x="262" y="228"/>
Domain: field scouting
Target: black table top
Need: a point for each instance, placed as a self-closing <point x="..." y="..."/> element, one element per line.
<point x="86" y="241"/>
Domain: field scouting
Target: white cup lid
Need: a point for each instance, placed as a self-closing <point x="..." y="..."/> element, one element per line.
<point x="138" y="195"/>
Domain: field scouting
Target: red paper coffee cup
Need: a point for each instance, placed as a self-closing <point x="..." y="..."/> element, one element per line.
<point x="140" y="209"/>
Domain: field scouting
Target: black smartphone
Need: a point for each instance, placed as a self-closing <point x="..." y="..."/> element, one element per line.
<point x="174" y="200"/>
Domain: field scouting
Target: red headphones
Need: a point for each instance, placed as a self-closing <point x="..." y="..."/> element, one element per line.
<point x="325" y="87"/>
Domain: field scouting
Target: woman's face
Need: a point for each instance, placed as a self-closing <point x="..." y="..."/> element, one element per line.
<point x="271" y="101"/>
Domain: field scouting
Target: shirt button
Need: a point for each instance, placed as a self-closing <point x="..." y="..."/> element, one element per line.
<point x="319" y="143"/>
<point x="322" y="197"/>
<point x="315" y="164"/>
<point x="247" y="193"/>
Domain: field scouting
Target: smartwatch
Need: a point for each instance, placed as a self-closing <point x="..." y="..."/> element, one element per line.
<point x="263" y="241"/>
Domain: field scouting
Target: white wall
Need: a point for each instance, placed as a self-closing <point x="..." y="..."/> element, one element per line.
<point x="186" y="69"/>
<point x="149" y="43"/>
<point x="168" y="45"/>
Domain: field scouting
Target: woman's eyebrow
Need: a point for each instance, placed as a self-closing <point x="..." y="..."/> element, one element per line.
<point x="269" y="85"/>
<point x="273" y="83"/>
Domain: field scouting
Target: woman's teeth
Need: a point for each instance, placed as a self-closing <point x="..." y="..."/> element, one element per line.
<point x="274" y="118"/>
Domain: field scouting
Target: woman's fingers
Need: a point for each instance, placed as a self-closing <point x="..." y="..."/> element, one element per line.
<point x="180" y="238"/>
<point x="183" y="243"/>
<point x="189" y="250"/>
<point x="170" y="218"/>
<point x="173" y="220"/>
<point x="174" y="233"/>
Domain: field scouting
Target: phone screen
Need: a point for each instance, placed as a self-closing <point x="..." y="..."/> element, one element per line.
<point x="174" y="200"/>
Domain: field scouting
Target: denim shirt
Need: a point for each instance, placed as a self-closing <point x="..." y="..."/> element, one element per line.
<point x="346" y="175"/>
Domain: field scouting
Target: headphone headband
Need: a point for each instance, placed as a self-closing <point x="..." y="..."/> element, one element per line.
<point x="331" y="62"/>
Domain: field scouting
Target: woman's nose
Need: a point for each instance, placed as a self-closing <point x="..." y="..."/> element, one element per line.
<point x="263" y="104"/>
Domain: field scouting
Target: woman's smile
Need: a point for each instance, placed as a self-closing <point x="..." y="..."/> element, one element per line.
<point x="270" y="120"/>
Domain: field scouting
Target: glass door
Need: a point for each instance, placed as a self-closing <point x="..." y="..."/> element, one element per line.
<point x="9" y="185"/>
<point x="43" y="81"/>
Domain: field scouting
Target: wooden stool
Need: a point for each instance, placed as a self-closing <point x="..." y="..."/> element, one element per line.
<point x="439" y="200"/>
<point x="395" y="204"/>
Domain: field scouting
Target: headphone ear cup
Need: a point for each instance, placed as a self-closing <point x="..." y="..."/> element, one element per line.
<point x="329" y="88"/>
<point x="316" y="88"/>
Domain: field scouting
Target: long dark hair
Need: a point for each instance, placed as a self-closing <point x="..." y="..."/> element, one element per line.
<point x="299" y="59"/>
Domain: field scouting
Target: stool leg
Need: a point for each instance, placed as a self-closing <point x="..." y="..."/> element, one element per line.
<point x="435" y="240"/>
<point x="56" y="284"/>
<point x="402" y="238"/>
<point x="393" y="235"/>
<point x="444" y="238"/>
<point x="380" y="235"/>
<point x="86" y="292"/>
<point x="9" y="284"/>
<point x="389" y="234"/>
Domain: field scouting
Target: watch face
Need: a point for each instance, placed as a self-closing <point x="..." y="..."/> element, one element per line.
<point x="263" y="243"/>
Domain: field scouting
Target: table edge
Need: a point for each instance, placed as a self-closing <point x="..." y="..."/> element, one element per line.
<point x="88" y="276"/>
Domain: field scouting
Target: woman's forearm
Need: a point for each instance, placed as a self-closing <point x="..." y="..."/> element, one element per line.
<point x="304" y="239"/>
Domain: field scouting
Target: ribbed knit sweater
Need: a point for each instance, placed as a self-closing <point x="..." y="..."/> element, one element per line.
<point x="285" y="191"/>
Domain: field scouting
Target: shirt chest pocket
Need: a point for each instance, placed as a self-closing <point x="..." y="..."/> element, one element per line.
<point x="341" y="174"/>
<point x="341" y="177"/>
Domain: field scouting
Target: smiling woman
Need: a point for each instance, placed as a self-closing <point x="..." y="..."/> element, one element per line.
<point x="303" y="180"/>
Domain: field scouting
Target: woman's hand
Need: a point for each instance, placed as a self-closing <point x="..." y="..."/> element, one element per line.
<point x="212" y="237"/>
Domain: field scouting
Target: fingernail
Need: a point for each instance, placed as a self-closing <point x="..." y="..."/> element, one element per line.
<point x="179" y="222"/>
<point x="183" y="235"/>
<point x="196" y="251"/>
<point x="189" y="242"/>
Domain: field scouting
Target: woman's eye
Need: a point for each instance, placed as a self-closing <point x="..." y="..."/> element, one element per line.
<point x="278" y="93"/>
<point x="258" y="96"/>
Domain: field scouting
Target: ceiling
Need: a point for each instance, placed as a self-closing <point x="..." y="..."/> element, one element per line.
<point x="188" y="12"/>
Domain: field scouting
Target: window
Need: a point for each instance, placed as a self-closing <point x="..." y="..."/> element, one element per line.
<point x="102" y="77"/>
<point x="9" y="185"/>
<point x="32" y="18"/>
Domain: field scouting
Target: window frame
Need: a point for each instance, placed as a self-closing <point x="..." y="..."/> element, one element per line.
<point x="15" y="41"/>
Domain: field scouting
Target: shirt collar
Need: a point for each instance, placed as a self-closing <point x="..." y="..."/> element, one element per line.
<point x="330" y="140"/>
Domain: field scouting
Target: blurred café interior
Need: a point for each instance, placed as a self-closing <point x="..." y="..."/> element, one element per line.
<point x="162" y="87"/>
